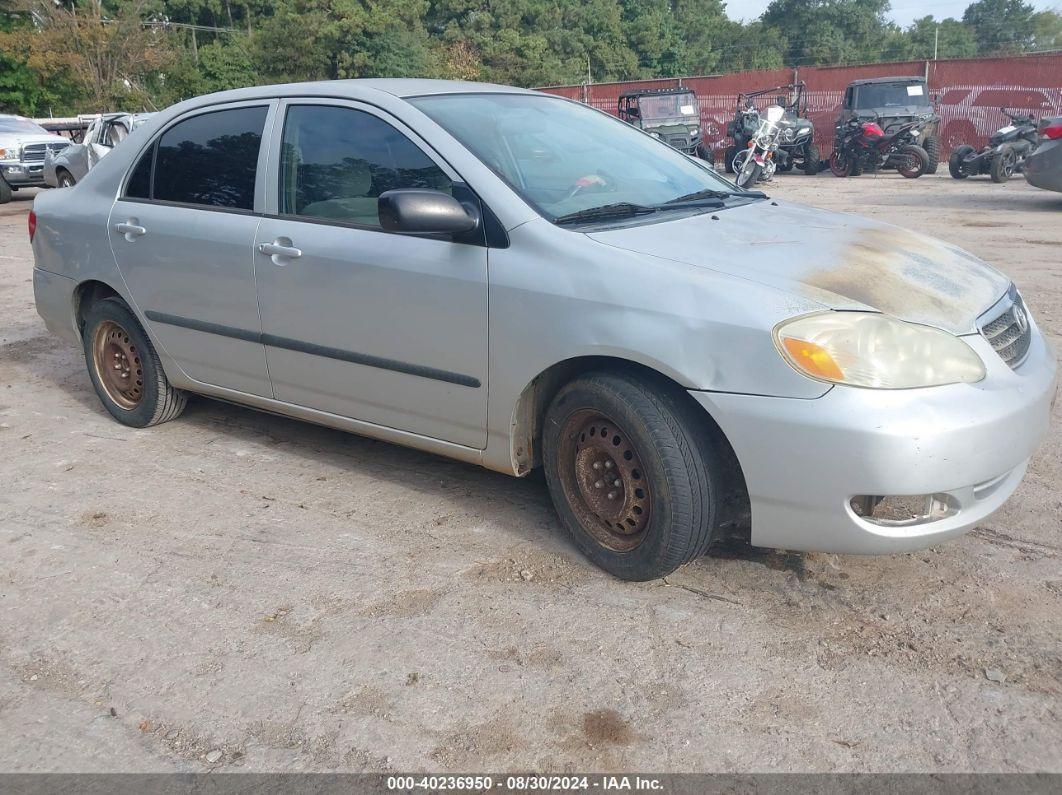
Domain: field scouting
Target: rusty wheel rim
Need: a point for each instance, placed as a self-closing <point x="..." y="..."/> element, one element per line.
<point x="604" y="480"/>
<point x="118" y="367"/>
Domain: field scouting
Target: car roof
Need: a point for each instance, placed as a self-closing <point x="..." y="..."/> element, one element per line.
<point x="355" y="89"/>
<point x="868" y="80"/>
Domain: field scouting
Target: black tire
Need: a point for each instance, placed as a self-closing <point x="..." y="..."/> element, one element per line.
<point x="749" y="175"/>
<point x="932" y="147"/>
<point x="65" y="178"/>
<point x="1004" y="165"/>
<point x="728" y="158"/>
<point x="812" y="160"/>
<point x="955" y="162"/>
<point x="706" y="153"/>
<point x="5" y="191"/>
<point x="682" y="470"/>
<point x="157" y="401"/>
<point x="787" y="166"/>
<point x="913" y="161"/>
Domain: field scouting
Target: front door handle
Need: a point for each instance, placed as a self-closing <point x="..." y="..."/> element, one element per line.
<point x="277" y="249"/>
<point x="130" y="229"/>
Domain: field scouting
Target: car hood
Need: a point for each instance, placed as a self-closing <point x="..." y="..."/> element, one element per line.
<point x="12" y="140"/>
<point x="840" y="261"/>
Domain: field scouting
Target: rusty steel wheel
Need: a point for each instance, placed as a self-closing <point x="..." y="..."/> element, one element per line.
<point x="124" y="367"/>
<point x="118" y="366"/>
<point x="634" y="472"/>
<point x="604" y="480"/>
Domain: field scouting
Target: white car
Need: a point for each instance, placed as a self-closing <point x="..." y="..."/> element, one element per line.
<point x="23" y="147"/>
<point x="69" y="166"/>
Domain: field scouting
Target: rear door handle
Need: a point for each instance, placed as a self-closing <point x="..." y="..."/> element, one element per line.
<point x="130" y="230"/>
<point x="277" y="250"/>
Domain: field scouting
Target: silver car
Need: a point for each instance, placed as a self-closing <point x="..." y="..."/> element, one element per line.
<point x="68" y="166"/>
<point x="517" y="280"/>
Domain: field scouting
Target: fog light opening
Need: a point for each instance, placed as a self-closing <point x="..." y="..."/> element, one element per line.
<point x="903" y="510"/>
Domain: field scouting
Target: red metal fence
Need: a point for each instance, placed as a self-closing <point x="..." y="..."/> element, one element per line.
<point x="971" y="92"/>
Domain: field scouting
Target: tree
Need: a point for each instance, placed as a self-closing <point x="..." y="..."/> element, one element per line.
<point x="951" y="38"/>
<point x="1047" y="30"/>
<point x="830" y="31"/>
<point x="1001" y="26"/>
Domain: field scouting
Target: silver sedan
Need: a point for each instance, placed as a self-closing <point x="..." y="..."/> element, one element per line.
<point x="518" y="280"/>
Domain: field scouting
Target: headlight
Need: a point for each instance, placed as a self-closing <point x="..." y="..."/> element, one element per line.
<point x="915" y="133"/>
<point x="871" y="350"/>
<point x="655" y="135"/>
<point x="695" y="130"/>
<point x="4" y="155"/>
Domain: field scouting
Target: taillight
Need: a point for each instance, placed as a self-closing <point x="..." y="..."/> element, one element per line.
<point x="31" y="221"/>
<point x="1052" y="131"/>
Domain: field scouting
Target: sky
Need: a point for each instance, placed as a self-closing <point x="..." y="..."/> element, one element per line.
<point x="903" y="11"/>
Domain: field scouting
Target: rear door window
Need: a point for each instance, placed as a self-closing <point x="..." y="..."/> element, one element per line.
<point x="211" y="159"/>
<point x="335" y="162"/>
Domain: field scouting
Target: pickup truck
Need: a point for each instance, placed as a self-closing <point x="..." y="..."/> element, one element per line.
<point x="23" y="146"/>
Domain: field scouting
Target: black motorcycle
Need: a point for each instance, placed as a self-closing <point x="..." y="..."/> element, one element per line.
<point x="1005" y="154"/>
<point x="861" y="145"/>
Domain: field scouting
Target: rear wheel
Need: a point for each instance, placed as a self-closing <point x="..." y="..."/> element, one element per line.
<point x="812" y="160"/>
<point x="955" y="162"/>
<point x="1003" y="165"/>
<point x="634" y="477"/>
<point x="932" y="147"/>
<point x="125" y="369"/>
<point x="65" y="179"/>
<point x="911" y="161"/>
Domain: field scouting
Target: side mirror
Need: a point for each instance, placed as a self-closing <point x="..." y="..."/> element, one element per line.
<point x="421" y="211"/>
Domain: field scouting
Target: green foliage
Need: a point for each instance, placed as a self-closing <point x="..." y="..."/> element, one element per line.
<point x="1001" y="26"/>
<point x="89" y="55"/>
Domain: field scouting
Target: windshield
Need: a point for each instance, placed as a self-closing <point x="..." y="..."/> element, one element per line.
<point x="667" y="106"/>
<point x="13" y="125"/>
<point x="890" y="95"/>
<point x="562" y="157"/>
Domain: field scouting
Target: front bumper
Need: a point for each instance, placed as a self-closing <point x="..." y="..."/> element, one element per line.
<point x="804" y="460"/>
<point x="23" y="175"/>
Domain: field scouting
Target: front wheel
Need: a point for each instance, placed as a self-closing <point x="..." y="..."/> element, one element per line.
<point x="5" y="191"/>
<point x="706" y="153"/>
<point x="956" y="163"/>
<point x="812" y="160"/>
<point x="911" y="161"/>
<point x="632" y="474"/>
<point x="932" y="147"/>
<point x="751" y="171"/>
<point x="840" y="164"/>
<point x="125" y="369"/>
<point x="1004" y="165"/>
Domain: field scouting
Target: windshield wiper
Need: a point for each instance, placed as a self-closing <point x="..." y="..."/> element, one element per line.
<point x="605" y="211"/>
<point x="716" y="194"/>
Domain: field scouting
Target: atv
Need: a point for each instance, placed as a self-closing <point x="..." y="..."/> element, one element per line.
<point x="1005" y="154"/>
<point x="893" y="102"/>
<point x="796" y="139"/>
<point x="670" y="114"/>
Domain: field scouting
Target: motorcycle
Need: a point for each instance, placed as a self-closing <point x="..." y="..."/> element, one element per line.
<point x="757" y="161"/>
<point x="862" y="145"/>
<point x="1005" y="154"/>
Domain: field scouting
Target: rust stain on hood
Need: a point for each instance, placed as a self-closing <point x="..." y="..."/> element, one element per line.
<point x="839" y="261"/>
<point x="911" y="276"/>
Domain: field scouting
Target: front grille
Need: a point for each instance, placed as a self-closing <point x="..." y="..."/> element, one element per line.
<point x="1007" y="328"/>
<point x="678" y="141"/>
<point x="34" y="153"/>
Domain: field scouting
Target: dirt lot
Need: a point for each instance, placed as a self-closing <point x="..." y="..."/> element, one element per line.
<point x="235" y="591"/>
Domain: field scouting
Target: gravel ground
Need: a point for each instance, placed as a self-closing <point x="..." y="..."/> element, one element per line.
<point x="235" y="591"/>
